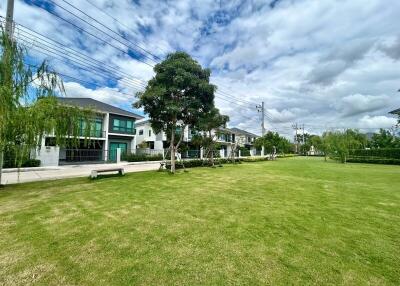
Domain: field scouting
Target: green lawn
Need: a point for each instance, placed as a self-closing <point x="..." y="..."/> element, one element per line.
<point x="293" y="221"/>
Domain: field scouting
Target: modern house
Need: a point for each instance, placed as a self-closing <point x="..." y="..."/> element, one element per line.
<point x="245" y="139"/>
<point x="112" y="128"/>
<point x="225" y="137"/>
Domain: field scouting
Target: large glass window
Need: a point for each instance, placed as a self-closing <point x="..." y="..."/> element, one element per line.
<point x="123" y="125"/>
<point x="96" y="128"/>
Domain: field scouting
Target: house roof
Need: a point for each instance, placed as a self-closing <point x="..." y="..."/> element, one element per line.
<point x="142" y="121"/>
<point x="244" y="132"/>
<point x="97" y="105"/>
<point x="396" y="111"/>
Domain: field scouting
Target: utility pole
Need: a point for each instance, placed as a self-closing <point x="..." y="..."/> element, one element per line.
<point x="296" y="138"/>
<point x="10" y="18"/>
<point x="261" y="108"/>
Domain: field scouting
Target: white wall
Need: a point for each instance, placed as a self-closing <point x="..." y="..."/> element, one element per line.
<point x="48" y="155"/>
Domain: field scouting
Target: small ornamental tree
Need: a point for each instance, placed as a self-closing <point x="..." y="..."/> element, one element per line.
<point x="177" y="96"/>
<point x="205" y="137"/>
<point x="28" y="106"/>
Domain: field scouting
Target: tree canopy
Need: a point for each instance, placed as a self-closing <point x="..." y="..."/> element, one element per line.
<point x="384" y="139"/>
<point x="212" y="120"/>
<point x="273" y="140"/>
<point x="177" y="96"/>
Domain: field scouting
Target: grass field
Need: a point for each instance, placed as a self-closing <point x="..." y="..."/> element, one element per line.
<point x="293" y="221"/>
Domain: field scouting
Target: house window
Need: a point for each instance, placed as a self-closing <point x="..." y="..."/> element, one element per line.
<point x="123" y="125"/>
<point x="141" y="132"/>
<point x="149" y="133"/>
<point x="96" y="128"/>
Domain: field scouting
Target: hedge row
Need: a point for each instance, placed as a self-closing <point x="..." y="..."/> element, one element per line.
<point x="373" y="160"/>
<point x="389" y="153"/>
<point x="141" y="157"/>
<point x="389" y="156"/>
<point x="217" y="162"/>
<point x="25" y="164"/>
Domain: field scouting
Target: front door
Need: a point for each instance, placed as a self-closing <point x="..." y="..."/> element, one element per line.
<point x="113" y="150"/>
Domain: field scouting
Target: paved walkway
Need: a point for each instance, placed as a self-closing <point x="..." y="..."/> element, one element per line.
<point x="70" y="171"/>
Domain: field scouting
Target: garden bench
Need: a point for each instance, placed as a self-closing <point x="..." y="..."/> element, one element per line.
<point x="94" y="173"/>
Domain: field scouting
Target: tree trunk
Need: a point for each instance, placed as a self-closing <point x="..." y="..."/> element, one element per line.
<point x="1" y="164"/>
<point x="172" y="147"/>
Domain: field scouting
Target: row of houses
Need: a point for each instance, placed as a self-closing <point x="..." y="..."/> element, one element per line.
<point x="116" y="131"/>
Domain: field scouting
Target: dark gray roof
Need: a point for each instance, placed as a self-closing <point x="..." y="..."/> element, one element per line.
<point x="396" y="111"/>
<point x="244" y="132"/>
<point x="97" y="105"/>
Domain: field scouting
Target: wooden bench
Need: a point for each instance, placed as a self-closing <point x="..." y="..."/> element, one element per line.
<point x="95" y="173"/>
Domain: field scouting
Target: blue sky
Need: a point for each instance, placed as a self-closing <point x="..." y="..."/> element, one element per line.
<point x="322" y="63"/>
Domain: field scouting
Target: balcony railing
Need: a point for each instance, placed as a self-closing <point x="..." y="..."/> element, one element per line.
<point x="93" y="133"/>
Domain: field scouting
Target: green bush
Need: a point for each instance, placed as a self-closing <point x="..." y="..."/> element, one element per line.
<point x="201" y="163"/>
<point x="375" y="156"/>
<point x="31" y="163"/>
<point x="244" y="151"/>
<point x="26" y="163"/>
<point x="373" y="160"/>
<point x="141" y="157"/>
<point x="389" y="153"/>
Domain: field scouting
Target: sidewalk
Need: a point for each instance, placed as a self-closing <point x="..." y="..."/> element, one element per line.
<point x="10" y="176"/>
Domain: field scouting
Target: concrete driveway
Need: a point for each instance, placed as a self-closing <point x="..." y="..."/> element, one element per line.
<point x="12" y="176"/>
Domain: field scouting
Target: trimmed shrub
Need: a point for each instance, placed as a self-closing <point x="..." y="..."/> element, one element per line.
<point x="377" y="153"/>
<point x="31" y="163"/>
<point x="375" y="156"/>
<point x="141" y="157"/>
<point x="201" y="163"/>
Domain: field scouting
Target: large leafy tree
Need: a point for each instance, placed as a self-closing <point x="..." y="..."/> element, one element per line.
<point x="273" y="141"/>
<point x="28" y="106"/>
<point x="177" y="96"/>
<point x="384" y="139"/>
<point x="208" y="130"/>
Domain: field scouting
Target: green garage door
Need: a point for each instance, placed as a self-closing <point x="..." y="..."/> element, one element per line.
<point x="113" y="150"/>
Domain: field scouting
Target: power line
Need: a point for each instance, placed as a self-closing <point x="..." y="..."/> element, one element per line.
<point x="47" y="40"/>
<point x="80" y="80"/>
<point x="89" y="69"/>
<point x="116" y="20"/>
<point x="98" y="22"/>
<point x="77" y="60"/>
<point x="91" y="34"/>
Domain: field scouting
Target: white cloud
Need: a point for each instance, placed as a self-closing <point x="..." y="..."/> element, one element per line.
<point x="358" y="103"/>
<point x="324" y="63"/>
<point x="377" y="121"/>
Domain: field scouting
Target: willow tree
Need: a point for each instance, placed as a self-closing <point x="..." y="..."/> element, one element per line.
<point x="176" y="97"/>
<point x="28" y="105"/>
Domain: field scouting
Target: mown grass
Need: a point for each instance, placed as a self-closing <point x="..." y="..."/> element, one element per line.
<point x="295" y="221"/>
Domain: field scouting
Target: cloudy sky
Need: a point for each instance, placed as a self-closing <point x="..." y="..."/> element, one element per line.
<point x="325" y="64"/>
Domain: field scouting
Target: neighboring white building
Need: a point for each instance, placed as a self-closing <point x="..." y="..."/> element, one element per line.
<point x="112" y="128"/>
<point x="226" y="138"/>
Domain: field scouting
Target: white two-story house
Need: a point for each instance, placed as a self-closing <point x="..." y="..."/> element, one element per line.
<point x="112" y="128"/>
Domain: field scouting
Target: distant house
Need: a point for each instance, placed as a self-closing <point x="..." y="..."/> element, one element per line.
<point x="225" y="137"/>
<point x="111" y="128"/>
<point x="244" y="138"/>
